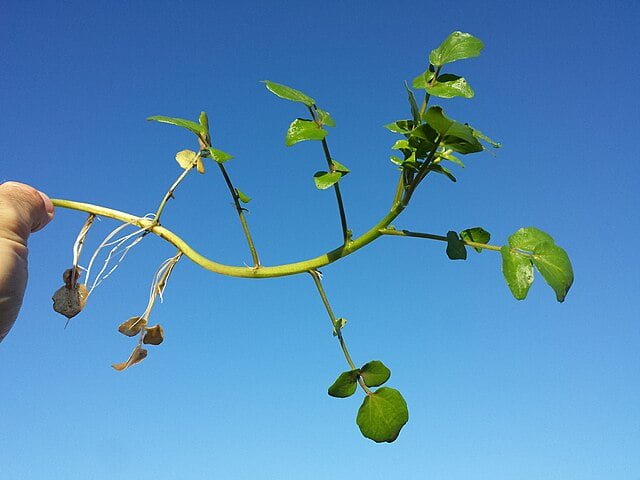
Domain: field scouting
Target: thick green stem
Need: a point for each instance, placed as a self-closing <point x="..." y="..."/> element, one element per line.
<point x="407" y="233"/>
<point x="243" y="220"/>
<point x="317" y="279"/>
<point x="240" y="271"/>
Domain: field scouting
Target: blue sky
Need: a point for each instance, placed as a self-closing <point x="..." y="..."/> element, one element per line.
<point x="497" y="389"/>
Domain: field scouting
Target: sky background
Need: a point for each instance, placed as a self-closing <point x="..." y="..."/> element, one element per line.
<point x="497" y="389"/>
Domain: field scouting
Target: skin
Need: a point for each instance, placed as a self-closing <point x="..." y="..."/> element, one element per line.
<point x="23" y="210"/>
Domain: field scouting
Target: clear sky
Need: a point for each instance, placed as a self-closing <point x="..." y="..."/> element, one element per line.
<point x="497" y="389"/>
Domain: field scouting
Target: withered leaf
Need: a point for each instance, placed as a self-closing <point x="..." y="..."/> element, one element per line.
<point x="69" y="301"/>
<point x="153" y="335"/>
<point x="185" y="158"/>
<point x="136" y="356"/>
<point x="132" y="326"/>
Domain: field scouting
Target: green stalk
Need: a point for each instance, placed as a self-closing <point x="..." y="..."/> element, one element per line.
<point x="407" y="233"/>
<point x="336" y="328"/>
<point x="240" y="271"/>
<point x="243" y="220"/>
<point x="173" y="187"/>
<point x="346" y="234"/>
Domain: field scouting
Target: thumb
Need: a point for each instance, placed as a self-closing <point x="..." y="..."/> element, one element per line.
<point x="23" y="210"/>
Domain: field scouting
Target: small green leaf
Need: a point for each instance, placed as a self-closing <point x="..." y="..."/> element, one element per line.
<point x="301" y="130"/>
<point x="204" y="123"/>
<point x="374" y="373"/>
<point x="455" y="135"/>
<point x="338" y="167"/>
<point x="422" y="80"/>
<point x="481" y="136"/>
<point x="289" y="93"/>
<point x="345" y="385"/>
<point x="400" y="126"/>
<point x="555" y="267"/>
<point x="456" y="46"/>
<point x="382" y="415"/>
<point x="455" y="247"/>
<point x="243" y="197"/>
<point x="517" y="270"/>
<point x="218" y="155"/>
<point x="447" y="156"/>
<point x="179" y="122"/>
<point x="325" y="118"/>
<point x="324" y="180"/>
<point x="476" y="234"/>
<point x="443" y="171"/>
<point x="340" y="324"/>
<point x="528" y="238"/>
<point x="185" y="158"/>
<point x="415" y="111"/>
<point x="400" y="144"/>
<point x="449" y="86"/>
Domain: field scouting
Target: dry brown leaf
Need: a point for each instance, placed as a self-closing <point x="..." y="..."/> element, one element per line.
<point x="136" y="356"/>
<point x="153" y="335"/>
<point x="132" y="326"/>
<point x="69" y="301"/>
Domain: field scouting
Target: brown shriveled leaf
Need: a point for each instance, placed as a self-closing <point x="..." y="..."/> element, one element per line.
<point x="132" y="326"/>
<point x="136" y="356"/>
<point x="153" y="335"/>
<point x="69" y="301"/>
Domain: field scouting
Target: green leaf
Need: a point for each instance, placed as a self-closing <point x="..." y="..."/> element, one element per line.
<point x="447" y="156"/>
<point x="345" y="385"/>
<point x="481" y="136"/>
<point x="455" y="135"/>
<point x="415" y="111"/>
<point x="476" y="234"/>
<point x="301" y="130"/>
<point x="555" y="267"/>
<point x="528" y="238"/>
<point x="243" y="197"/>
<point x="517" y="270"/>
<point x="443" y="171"/>
<point x="456" y="249"/>
<point x="324" y="180"/>
<point x="289" y="93"/>
<point x="456" y="46"/>
<point x="374" y="373"/>
<point x="204" y="123"/>
<point x="179" y="122"/>
<point x="449" y="86"/>
<point x="400" y="126"/>
<point x="421" y="81"/>
<point x="218" y="155"/>
<point x="338" y="167"/>
<point x="340" y="324"/>
<point x="325" y="118"/>
<point x="382" y="415"/>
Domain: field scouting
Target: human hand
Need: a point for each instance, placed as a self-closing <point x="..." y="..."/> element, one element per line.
<point x="23" y="210"/>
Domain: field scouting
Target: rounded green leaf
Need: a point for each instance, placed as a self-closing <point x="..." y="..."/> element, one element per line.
<point x="555" y="267"/>
<point x="325" y="118"/>
<point x="301" y="130"/>
<point x="527" y="239"/>
<point x="518" y="271"/>
<point x="324" y="180"/>
<point x="449" y="86"/>
<point x="289" y="93"/>
<point x="374" y="373"/>
<point x="382" y="415"/>
<point x="345" y="385"/>
<point x="456" y="249"/>
<point x="243" y="197"/>
<point x="477" y="235"/>
<point x="423" y="79"/>
<point x="456" y="46"/>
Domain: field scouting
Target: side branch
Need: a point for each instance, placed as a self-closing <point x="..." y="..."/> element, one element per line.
<point x="431" y="236"/>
